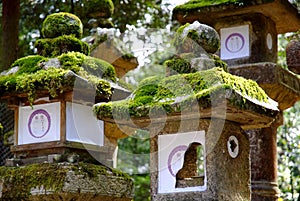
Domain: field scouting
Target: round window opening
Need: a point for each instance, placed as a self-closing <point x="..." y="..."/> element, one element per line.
<point x="233" y="146"/>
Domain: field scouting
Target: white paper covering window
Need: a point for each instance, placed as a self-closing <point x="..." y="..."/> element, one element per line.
<point x="171" y="149"/>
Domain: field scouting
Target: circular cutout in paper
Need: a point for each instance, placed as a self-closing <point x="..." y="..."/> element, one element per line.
<point x="39" y="123"/>
<point x="174" y="158"/>
<point x="235" y="42"/>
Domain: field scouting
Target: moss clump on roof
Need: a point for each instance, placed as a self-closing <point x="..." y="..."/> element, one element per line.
<point x="174" y="93"/>
<point x="62" y="23"/>
<point x="51" y="47"/>
<point x="33" y="76"/>
<point x="21" y="180"/>
<point x="196" y="4"/>
<point x="100" y="8"/>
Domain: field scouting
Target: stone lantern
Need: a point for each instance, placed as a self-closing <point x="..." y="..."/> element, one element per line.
<point x="196" y="116"/>
<point x="64" y="151"/>
<point x="248" y="31"/>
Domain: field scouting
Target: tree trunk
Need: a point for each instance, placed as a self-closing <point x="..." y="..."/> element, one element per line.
<point x="10" y="32"/>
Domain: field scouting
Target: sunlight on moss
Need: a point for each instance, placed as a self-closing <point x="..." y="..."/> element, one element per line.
<point x="157" y="95"/>
<point x="32" y="75"/>
<point x="197" y="4"/>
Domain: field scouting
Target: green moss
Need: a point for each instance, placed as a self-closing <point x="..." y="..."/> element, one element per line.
<point x="51" y="79"/>
<point x="197" y="4"/>
<point x="29" y="64"/>
<point x="23" y="179"/>
<point x="59" y="24"/>
<point x="1" y="129"/>
<point x="99" y="8"/>
<point x="51" y="47"/>
<point x="18" y="181"/>
<point x="179" y="65"/>
<point x="8" y="138"/>
<point x="99" y="68"/>
<point x="31" y="77"/>
<point x="219" y="62"/>
<point x="171" y="93"/>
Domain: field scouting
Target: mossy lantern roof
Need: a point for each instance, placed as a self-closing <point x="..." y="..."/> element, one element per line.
<point x="203" y="94"/>
<point x="209" y="12"/>
<point x="37" y="76"/>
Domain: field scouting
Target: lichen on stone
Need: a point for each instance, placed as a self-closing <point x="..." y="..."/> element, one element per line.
<point x="59" y="24"/>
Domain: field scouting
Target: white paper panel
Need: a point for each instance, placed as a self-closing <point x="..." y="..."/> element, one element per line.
<point x="40" y="123"/>
<point x="83" y="126"/>
<point x="171" y="149"/>
<point x="235" y="42"/>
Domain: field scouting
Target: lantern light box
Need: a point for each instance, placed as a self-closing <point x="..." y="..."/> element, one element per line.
<point x="41" y="123"/>
<point x="178" y="171"/>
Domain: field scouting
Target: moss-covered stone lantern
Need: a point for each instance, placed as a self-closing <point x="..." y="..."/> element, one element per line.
<point x="248" y="31"/>
<point x="196" y="116"/>
<point x="63" y="150"/>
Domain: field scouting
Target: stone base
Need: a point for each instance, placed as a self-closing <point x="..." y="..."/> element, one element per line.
<point x="64" y="181"/>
